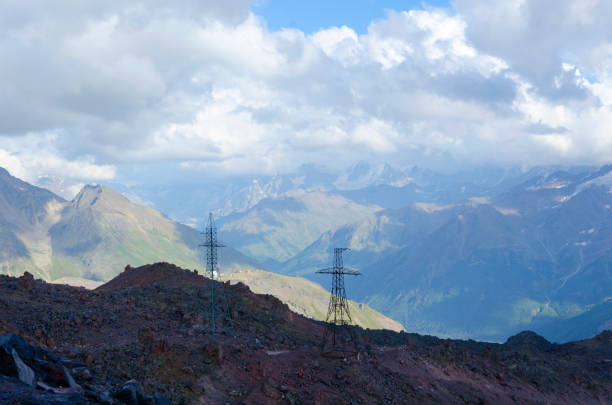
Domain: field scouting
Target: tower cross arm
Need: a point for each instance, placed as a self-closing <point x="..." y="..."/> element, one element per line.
<point x="327" y="270"/>
<point x="217" y="244"/>
<point x="335" y="270"/>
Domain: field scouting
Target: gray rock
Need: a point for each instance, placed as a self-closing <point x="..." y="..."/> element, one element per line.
<point x="12" y="365"/>
<point x="130" y="393"/>
<point x="7" y="362"/>
<point x="82" y="373"/>
<point x="25" y="351"/>
<point x="25" y="373"/>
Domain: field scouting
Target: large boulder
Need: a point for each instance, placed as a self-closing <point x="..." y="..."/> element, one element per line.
<point x="49" y="379"/>
<point x="14" y="353"/>
<point x="23" y="349"/>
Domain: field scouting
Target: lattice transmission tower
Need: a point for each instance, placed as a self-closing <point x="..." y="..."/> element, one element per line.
<point x="338" y="313"/>
<point x="211" y="243"/>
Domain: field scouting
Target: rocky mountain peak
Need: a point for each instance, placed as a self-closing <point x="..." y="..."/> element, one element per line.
<point x="87" y="190"/>
<point x="93" y="194"/>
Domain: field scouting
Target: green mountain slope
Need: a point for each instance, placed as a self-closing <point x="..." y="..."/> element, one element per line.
<point x="308" y="298"/>
<point x="103" y="231"/>
<point x="276" y="229"/>
<point x="92" y="237"/>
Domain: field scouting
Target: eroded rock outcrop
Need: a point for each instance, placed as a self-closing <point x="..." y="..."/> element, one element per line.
<point x="35" y="375"/>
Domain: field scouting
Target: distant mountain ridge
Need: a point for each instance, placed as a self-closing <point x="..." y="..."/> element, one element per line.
<point x="276" y="229"/>
<point x="480" y="253"/>
<point x="365" y="183"/>
<point x="538" y="252"/>
<point x="96" y="235"/>
<point x="293" y="210"/>
<point x="93" y="236"/>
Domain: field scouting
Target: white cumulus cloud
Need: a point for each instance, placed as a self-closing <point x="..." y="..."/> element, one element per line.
<point x="205" y="83"/>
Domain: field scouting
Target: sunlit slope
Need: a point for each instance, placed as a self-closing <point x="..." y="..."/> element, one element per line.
<point x="102" y="231"/>
<point x="92" y="237"/>
<point x="308" y="298"/>
<point x="276" y="229"/>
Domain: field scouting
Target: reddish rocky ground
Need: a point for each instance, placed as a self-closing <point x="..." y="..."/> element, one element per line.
<point x="150" y="324"/>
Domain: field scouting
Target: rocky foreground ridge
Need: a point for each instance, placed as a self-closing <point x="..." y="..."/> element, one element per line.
<point x="143" y="338"/>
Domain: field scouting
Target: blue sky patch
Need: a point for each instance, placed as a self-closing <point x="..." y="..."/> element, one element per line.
<point x="311" y="16"/>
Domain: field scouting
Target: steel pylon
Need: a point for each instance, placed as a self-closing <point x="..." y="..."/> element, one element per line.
<point x="211" y="243"/>
<point x="338" y="312"/>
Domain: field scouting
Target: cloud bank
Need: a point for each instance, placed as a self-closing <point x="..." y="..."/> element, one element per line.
<point x="88" y="87"/>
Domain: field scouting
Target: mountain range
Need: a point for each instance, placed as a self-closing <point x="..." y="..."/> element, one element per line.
<point x="537" y="252"/>
<point x="93" y="237"/>
<point x="478" y="253"/>
<point x="276" y="229"/>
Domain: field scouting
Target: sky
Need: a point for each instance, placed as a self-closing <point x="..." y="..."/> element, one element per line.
<point x="314" y="15"/>
<point x="98" y="91"/>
